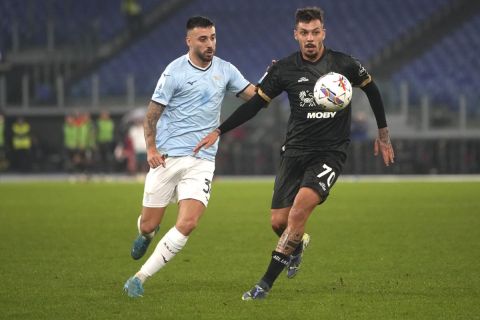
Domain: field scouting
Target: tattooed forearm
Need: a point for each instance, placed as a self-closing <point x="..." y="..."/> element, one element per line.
<point x="383" y="135"/>
<point x="150" y="123"/>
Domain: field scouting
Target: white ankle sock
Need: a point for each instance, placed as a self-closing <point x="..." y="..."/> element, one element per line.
<point x="171" y="243"/>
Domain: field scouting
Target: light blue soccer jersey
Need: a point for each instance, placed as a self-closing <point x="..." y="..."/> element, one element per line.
<point x="192" y="98"/>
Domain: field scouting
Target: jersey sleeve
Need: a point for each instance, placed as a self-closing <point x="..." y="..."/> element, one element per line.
<point x="270" y="85"/>
<point x="165" y="88"/>
<point x="358" y="75"/>
<point x="236" y="81"/>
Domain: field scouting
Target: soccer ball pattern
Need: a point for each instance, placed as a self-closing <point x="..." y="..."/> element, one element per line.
<point x="332" y="92"/>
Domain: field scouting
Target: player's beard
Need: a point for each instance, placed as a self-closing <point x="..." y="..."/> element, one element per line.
<point x="311" y="51"/>
<point x="207" y="55"/>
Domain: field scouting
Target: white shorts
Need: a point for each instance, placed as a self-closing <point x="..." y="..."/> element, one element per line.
<point x="182" y="178"/>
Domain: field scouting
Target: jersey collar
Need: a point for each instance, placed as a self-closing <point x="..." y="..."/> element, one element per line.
<point x="197" y="67"/>
<point x="302" y="62"/>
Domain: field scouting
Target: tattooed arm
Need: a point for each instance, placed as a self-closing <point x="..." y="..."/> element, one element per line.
<point x="384" y="146"/>
<point x="154" y="158"/>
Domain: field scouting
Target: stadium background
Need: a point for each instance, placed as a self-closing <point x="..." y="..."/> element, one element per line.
<point x="383" y="247"/>
<point x="61" y="57"/>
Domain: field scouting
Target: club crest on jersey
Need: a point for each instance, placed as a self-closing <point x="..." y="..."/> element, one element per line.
<point x="362" y="71"/>
<point x="306" y="99"/>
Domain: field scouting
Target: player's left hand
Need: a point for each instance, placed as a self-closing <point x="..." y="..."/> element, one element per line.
<point x="384" y="145"/>
<point x="208" y="141"/>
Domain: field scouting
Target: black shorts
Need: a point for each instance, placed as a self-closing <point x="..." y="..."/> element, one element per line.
<point x="318" y="171"/>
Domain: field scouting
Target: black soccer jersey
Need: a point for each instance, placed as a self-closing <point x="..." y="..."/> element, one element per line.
<point x="310" y="129"/>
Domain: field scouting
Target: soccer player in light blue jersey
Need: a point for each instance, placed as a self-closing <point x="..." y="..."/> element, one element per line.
<point x="184" y="108"/>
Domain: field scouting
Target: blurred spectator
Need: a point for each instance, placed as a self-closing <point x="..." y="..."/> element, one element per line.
<point x="22" y="144"/>
<point x="137" y="139"/>
<point x="85" y="142"/>
<point x="125" y="155"/>
<point x="69" y="142"/>
<point x="105" y="134"/>
<point x="132" y="10"/>
<point x="3" y="152"/>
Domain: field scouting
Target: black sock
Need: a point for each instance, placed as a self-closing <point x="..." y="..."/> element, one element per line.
<point x="277" y="264"/>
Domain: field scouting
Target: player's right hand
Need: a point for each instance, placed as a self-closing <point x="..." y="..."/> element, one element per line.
<point x="155" y="158"/>
<point x="384" y="146"/>
<point x="208" y="141"/>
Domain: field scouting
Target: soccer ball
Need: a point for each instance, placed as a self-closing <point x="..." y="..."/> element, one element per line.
<point x="332" y="92"/>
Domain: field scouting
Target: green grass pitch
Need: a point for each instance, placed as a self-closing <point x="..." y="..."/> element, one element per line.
<point x="404" y="250"/>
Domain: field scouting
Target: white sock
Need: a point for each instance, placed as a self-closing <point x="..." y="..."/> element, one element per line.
<point x="171" y="243"/>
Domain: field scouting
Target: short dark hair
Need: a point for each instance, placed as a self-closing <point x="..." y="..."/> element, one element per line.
<point x="199" y="22"/>
<point x="308" y="14"/>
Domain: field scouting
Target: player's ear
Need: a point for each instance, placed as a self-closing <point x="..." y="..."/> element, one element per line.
<point x="324" y="34"/>
<point x="295" y="34"/>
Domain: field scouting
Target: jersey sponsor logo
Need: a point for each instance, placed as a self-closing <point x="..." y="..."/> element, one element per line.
<point x="306" y="99"/>
<point x="303" y="79"/>
<point x="320" y="115"/>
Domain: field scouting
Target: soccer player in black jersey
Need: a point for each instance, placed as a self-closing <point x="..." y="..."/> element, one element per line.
<point x="316" y="142"/>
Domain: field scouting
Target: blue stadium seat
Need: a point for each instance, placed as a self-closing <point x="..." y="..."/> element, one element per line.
<point x="446" y="70"/>
<point x="250" y="36"/>
<point x="73" y="20"/>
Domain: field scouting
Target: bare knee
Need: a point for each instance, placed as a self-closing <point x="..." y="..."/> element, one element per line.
<point x="279" y="224"/>
<point x="186" y="226"/>
<point x="279" y="220"/>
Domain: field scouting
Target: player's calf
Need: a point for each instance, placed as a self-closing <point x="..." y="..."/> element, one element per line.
<point x="141" y="243"/>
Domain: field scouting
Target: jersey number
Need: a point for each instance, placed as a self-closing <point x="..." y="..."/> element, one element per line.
<point x="327" y="171"/>
<point x="207" y="183"/>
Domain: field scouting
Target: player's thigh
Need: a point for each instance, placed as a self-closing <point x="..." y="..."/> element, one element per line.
<point x="161" y="183"/>
<point x="305" y="201"/>
<point x="320" y="175"/>
<point x="196" y="181"/>
<point x="287" y="182"/>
